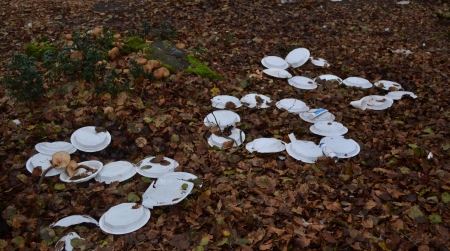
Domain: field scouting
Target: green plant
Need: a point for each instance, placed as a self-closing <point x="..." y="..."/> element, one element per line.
<point x="113" y="84"/>
<point x="24" y="82"/>
<point x="37" y="50"/>
<point x="137" y="71"/>
<point x="133" y="44"/>
<point x="201" y="69"/>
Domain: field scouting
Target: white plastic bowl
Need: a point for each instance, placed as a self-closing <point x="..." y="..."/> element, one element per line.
<point x="123" y="219"/>
<point x="116" y="171"/>
<point x="86" y="139"/>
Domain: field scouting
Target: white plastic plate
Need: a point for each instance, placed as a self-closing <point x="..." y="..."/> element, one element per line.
<point x="116" y="171"/>
<point x="386" y="85"/>
<point x="298" y="57"/>
<point x="328" y="128"/>
<point x="44" y="161"/>
<point x="307" y="116"/>
<point x="266" y="145"/>
<point x="250" y="99"/>
<point x="302" y="83"/>
<point x="328" y="77"/>
<point x="123" y="218"/>
<point x="86" y="139"/>
<point x="397" y="95"/>
<point x="67" y="238"/>
<point x="221" y="101"/>
<point x="277" y="73"/>
<point x="156" y="170"/>
<point x="166" y="192"/>
<point x="357" y="82"/>
<point x="53" y="147"/>
<point x="74" y="220"/>
<point x="343" y="148"/>
<point x="222" y="119"/>
<point x="94" y="164"/>
<point x="215" y="140"/>
<point x="305" y="151"/>
<point x="319" y="62"/>
<point x="377" y="102"/>
<point x="292" y="105"/>
<point x="274" y="62"/>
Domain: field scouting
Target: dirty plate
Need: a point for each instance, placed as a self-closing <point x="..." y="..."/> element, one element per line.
<point x="328" y="128"/>
<point x="357" y="82"/>
<point x="67" y="246"/>
<point x="154" y="170"/>
<point x="388" y="85"/>
<point x="86" y="139"/>
<point x="74" y="220"/>
<point x="166" y="192"/>
<point x="237" y="135"/>
<point x="319" y="62"/>
<point x="274" y="62"/>
<point x="292" y="105"/>
<point x="342" y="147"/>
<point x="222" y="119"/>
<point x="306" y="151"/>
<point x="222" y="100"/>
<point x="397" y="95"/>
<point x="302" y="83"/>
<point x="94" y="164"/>
<point x="328" y="77"/>
<point x="124" y="218"/>
<point x="116" y="171"/>
<point x="44" y="161"/>
<point x="377" y="102"/>
<point x="179" y="176"/>
<point x="266" y="145"/>
<point x="250" y="99"/>
<point x="53" y="147"/>
<point x="277" y="73"/>
<point x="298" y="57"/>
<point x="308" y="116"/>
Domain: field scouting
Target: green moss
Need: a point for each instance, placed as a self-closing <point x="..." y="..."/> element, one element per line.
<point x="201" y="69"/>
<point x="37" y="51"/>
<point x="445" y="15"/>
<point x="168" y="67"/>
<point x="133" y="44"/>
<point x="148" y="50"/>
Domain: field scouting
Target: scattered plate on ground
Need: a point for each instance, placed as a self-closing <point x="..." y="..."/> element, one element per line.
<point x="222" y="119"/>
<point x="179" y="176"/>
<point x="388" y="85"/>
<point x="86" y="139"/>
<point x="397" y="95"/>
<point x="166" y="192"/>
<point x="154" y="170"/>
<point x="343" y="148"/>
<point x="44" y="161"/>
<point x="328" y="128"/>
<point x="298" y="57"/>
<point x="94" y="164"/>
<point x="328" y="77"/>
<point x="265" y="145"/>
<point x="124" y="218"/>
<point x="357" y="82"/>
<point x="306" y="151"/>
<point x="53" y="147"/>
<point x="67" y="241"/>
<point x="236" y="135"/>
<point x="116" y="171"/>
<point x="308" y="116"/>
<point x="74" y="220"/>
<point x="277" y="73"/>
<point x="377" y="102"/>
<point x="274" y="62"/>
<point x="222" y="100"/>
<point x="292" y="105"/>
<point x="250" y="99"/>
<point x="302" y="83"/>
<point x="319" y="62"/>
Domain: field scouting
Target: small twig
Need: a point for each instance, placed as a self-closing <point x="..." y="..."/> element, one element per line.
<point x="405" y="237"/>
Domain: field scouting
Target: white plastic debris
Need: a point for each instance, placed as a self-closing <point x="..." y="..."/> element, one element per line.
<point x="317" y="115"/>
<point x="87" y="139"/>
<point x="328" y="77"/>
<point x="298" y="57"/>
<point x="53" y="147"/>
<point x="328" y="128"/>
<point x="292" y="105"/>
<point x="94" y="164"/>
<point x="124" y="218"/>
<point x="116" y="171"/>
<point x="222" y="119"/>
<point x="266" y="145"/>
<point x="397" y="95"/>
<point x="277" y="73"/>
<point x="319" y="62"/>
<point x="357" y="82"/>
<point x="388" y="85"/>
<point x="377" y="102"/>
<point x="251" y="100"/>
<point x="16" y="121"/>
<point x="343" y="148"/>
<point x="237" y="136"/>
<point x="154" y="170"/>
<point x="221" y="101"/>
<point x="166" y="192"/>
<point x="306" y="151"/>
<point x="302" y="83"/>
<point x="403" y="2"/>
<point x="44" y="161"/>
<point x="67" y="241"/>
<point x="74" y="220"/>
<point x="430" y="155"/>
<point x="328" y="152"/>
<point x="401" y="51"/>
<point x="274" y="62"/>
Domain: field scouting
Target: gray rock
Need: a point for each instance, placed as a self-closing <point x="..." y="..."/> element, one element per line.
<point x="166" y="52"/>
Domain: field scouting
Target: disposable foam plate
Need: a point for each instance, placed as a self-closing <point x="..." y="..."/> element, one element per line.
<point x="307" y="116"/>
<point x="215" y="140"/>
<point x="179" y="176"/>
<point x="377" y="102"/>
<point x="67" y="238"/>
<point x="305" y="151"/>
<point x="277" y="73"/>
<point x="250" y="99"/>
<point x="87" y="139"/>
<point x="319" y="62"/>
<point x="298" y="57"/>
<point x="44" y="161"/>
<point x="94" y="164"/>
<point x="302" y="83"/>
<point x="328" y="128"/>
<point x="357" y="82"/>
<point x="222" y="118"/>
<point x="343" y="148"/>
<point x="265" y="145"/>
<point x="53" y="147"/>
<point x="166" y="192"/>
<point x="221" y="101"/>
<point x="388" y="85"/>
<point x="397" y="95"/>
<point x="116" y="171"/>
<point x="156" y="170"/>
<point x="328" y="77"/>
<point x="124" y="218"/>
<point x="274" y="62"/>
<point x="292" y="105"/>
<point x="74" y="220"/>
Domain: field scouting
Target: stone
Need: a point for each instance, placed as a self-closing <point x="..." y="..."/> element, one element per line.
<point x="166" y="52"/>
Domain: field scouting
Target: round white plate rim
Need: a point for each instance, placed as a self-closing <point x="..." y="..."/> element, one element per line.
<point x="81" y="148"/>
<point x="268" y="65"/>
<point x="69" y="145"/>
<point x="51" y="173"/>
<point x="146" y="219"/>
<point x="349" y="155"/>
<point x="123" y="178"/>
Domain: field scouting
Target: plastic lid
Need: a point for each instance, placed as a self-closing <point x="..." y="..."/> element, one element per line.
<point x="302" y="83"/>
<point x="277" y="73"/>
<point x="124" y="218"/>
<point x="388" y="85"/>
<point x="44" y="161"/>
<point x="265" y="145"/>
<point x="94" y="164"/>
<point x="298" y="57"/>
<point x="292" y="105"/>
<point x="250" y="99"/>
<point x="237" y="135"/>
<point x="357" y="82"/>
<point x="116" y="171"/>
<point x="306" y="151"/>
<point x="88" y="140"/>
<point x="53" y="147"/>
<point x="222" y="118"/>
<point x="307" y="116"/>
<point x="343" y="148"/>
<point x="221" y="101"/>
<point x="155" y="170"/>
<point x="274" y="62"/>
<point x="166" y="192"/>
<point x="328" y="128"/>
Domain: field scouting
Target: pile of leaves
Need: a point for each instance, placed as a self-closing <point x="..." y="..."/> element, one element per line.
<point x="392" y="196"/>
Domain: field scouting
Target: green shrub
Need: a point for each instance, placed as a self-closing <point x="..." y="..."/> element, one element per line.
<point x="112" y="84"/>
<point x="24" y="82"/>
<point x="201" y="69"/>
<point x="133" y="44"/>
<point x="137" y="71"/>
<point x="37" y="51"/>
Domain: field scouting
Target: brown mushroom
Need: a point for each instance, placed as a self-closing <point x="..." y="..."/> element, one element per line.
<point x="72" y="168"/>
<point x="141" y="61"/>
<point x="152" y="65"/>
<point x="114" y="53"/>
<point x="68" y="36"/>
<point x="161" y="73"/>
<point x="59" y="160"/>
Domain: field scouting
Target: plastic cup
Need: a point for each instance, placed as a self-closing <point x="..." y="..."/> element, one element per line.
<point x="359" y="104"/>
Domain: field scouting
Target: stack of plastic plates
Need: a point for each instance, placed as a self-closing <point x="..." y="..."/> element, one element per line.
<point x="302" y="83"/>
<point x="397" y="95"/>
<point x="274" y="62"/>
<point x="94" y="164"/>
<point x="154" y="170"/>
<point x="250" y="99"/>
<point x="292" y="105"/>
<point x="222" y="119"/>
<point x="328" y="128"/>
<point x="305" y="151"/>
<point x="377" y="102"/>
<point x="236" y="135"/>
<point x="343" y="148"/>
<point x="87" y="139"/>
<point x="298" y="57"/>
<point x="116" y="171"/>
<point x="124" y="218"/>
<point x="221" y="101"/>
<point x="388" y="85"/>
<point x="357" y="82"/>
<point x="308" y="116"/>
<point x="265" y="145"/>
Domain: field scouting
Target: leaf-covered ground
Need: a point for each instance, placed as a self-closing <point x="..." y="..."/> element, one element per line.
<point x="389" y="197"/>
